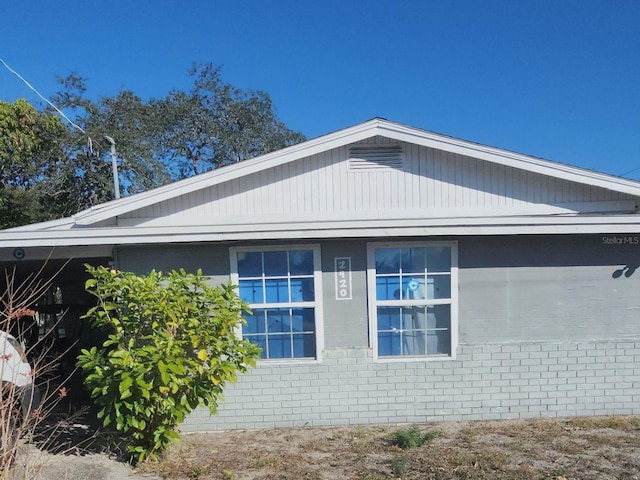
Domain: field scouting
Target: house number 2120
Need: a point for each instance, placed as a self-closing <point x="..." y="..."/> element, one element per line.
<point x="343" y="278"/>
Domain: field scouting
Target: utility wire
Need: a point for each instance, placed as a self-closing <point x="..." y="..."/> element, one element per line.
<point x="627" y="173"/>
<point x="43" y="98"/>
<point x="89" y="141"/>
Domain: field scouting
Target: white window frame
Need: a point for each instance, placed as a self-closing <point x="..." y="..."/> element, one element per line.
<point x="373" y="304"/>
<point x="316" y="303"/>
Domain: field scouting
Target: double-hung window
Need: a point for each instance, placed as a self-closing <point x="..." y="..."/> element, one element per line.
<point x="412" y="299"/>
<point x="282" y="288"/>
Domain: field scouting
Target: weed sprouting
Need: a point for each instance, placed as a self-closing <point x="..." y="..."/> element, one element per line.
<point x="399" y="466"/>
<point x="412" y="437"/>
<point x="199" y="471"/>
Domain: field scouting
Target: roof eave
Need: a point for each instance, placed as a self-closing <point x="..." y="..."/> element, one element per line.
<point x="522" y="225"/>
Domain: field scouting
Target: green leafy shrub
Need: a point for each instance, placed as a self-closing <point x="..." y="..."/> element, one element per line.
<point x="412" y="437"/>
<point x="171" y="347"/>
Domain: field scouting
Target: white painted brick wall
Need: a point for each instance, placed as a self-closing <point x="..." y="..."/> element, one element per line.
<point x="484" y="382"/>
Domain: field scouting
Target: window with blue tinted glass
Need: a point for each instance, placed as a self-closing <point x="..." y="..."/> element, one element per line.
<point x="302" y="290"/>
<point x="276" y="290"/>
<point x="304" y="346"/>
<point x="412" y="304"/>
<point x="255" y="323"/>
<point x="301" y="262"/>
<point x="278" y="320"/>
<point x="275" y="264"/>
<point x="279" y="286"/>
<point x="389" y="318"/>
<point x="249" y="264"/>
<point x="388" y="287"/>
<point x="388" y="260"/>
<point x="279" y="346"/>
<point x="251" y="291"/>
<point x="413" y="260"/>
<point x="439" y="286"/>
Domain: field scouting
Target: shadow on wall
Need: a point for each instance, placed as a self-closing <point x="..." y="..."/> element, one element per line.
<point x="535" y="251"/>
<point x="627" y="271"/>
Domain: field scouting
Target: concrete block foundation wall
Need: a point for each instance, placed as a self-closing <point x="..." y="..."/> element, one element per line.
<point x="522" y="380"/>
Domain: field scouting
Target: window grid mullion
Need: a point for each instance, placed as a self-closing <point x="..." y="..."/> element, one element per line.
<point x="266" y="332"/>
<point x="291" y="325"/>
<point x="414" y="303"/>
<point x="406" y="336"/>
<point x="306" y="304"/>
<point x="283" y="310"/>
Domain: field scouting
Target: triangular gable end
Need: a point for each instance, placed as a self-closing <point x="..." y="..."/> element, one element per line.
<point x="357" y="134"/>
<point x="376" y="179"/>
<point x="380" y="179"/>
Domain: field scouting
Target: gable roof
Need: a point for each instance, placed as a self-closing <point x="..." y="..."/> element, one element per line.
<point x="363" y="131"/>
<point x="88" y="227"/>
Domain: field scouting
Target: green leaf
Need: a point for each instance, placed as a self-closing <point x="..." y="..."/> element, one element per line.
<point x="125" y="384"/>
<point x="149" y="375"/>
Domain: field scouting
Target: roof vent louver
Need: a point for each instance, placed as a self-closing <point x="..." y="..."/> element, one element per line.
<point x="376" y="157"/>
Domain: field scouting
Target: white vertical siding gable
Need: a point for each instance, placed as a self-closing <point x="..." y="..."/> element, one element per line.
<point x="420" y="182"/>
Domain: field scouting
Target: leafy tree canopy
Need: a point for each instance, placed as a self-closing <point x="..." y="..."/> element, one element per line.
<point x="216" y="124"/>
<point x="51" y="170"/>
<point x="31" y="150"/>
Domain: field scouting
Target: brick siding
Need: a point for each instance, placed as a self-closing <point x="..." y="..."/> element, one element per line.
<point x="484" y="382"/>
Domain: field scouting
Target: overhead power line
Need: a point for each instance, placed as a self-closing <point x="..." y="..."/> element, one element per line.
<point x="44" y="98"/>
<point x="75" y="125"/>
<point x="623" y="174"/>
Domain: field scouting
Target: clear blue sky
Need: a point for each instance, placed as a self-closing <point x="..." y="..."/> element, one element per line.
<point x="558" y="79"/>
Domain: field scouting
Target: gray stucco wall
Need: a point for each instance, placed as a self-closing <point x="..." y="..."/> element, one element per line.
<point x="563" y="288"/>
<point x="212" y="259"/>
<point x="548" y="325"/>
<point x="345" y="321"/>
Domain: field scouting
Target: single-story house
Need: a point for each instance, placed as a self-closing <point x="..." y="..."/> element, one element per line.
<point x="395" y="275"/>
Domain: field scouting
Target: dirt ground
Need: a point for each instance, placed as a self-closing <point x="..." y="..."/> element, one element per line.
<point x="38" y="465"/>
<point x="582" y="448"/>
<point x="561" y="449"/>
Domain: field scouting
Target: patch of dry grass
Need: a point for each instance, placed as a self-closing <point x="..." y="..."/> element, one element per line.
<point x="577" y="448"/>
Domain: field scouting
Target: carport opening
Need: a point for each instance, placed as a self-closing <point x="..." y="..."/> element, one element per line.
<point x="48" y="322"/>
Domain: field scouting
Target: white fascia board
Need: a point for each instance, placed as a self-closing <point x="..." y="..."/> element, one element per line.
<point x="510" y="159"/>
<point x="60" y="224"/>
<point x="629" y="224"/>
